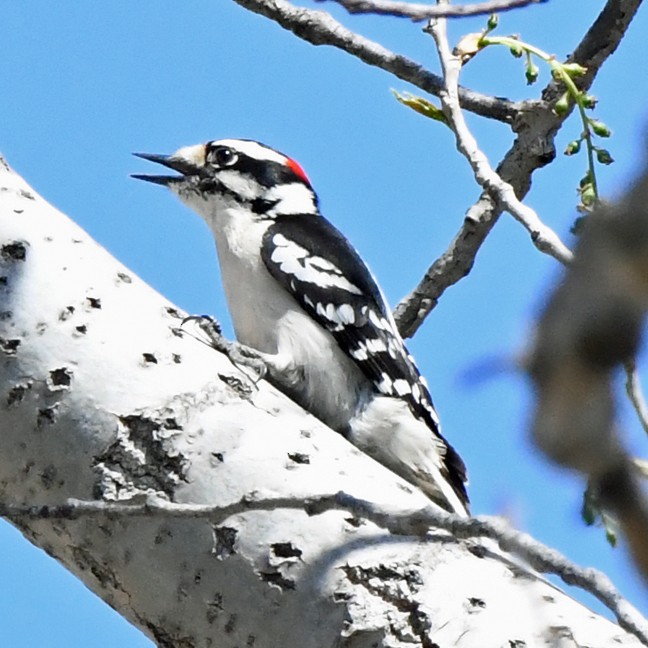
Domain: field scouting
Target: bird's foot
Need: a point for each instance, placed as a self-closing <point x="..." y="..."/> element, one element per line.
<point x="245" y="358"/>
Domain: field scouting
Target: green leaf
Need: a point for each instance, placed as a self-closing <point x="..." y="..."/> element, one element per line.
<point x="421" y="106"/>
<point x="574" y="69"/>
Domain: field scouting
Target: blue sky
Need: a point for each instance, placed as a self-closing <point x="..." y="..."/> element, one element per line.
<point x="85" y="84"/>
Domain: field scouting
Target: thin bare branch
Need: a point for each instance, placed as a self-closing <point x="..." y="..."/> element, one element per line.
<point x="635" y="393"/>
<point x="536" y="127"/>
<point x="418" y="522"/>
<point x="543" y="237"/>
<point x="418" y="12"/>
<point x="320" y="28"/>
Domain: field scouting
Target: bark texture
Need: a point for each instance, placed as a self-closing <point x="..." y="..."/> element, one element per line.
<point x="102" y="398"/>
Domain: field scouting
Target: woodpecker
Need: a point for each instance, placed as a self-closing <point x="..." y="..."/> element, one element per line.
<point x="303" y="301"/>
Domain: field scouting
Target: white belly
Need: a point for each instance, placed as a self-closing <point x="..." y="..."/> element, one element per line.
<point x="304" y="359"/>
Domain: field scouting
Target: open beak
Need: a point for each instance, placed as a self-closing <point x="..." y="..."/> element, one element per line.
<point x="182" y="166"/>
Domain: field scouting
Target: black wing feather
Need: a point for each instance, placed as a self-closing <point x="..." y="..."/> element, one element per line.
<point x="325" y="273"/>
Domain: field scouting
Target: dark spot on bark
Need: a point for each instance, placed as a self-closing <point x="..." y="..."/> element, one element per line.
<point x="240" y="386"/>
<point x="3" y="280"/>
<point x="219" y="456"/>
<point x="477" y="602"/>
<point x="517" y="643"/>
<point x="16" y="251"/>
<point x="341" y="597"/>
<point x="122" y="276"/>
<point x="231" y="624"/>
<point x="224" y="541"/>
<point x="41" y="327"/>
<point x="66" y="313"/>
<point x="149" y="358"/>
<point x="61" y="377"/>
<point x="48" y="476"/>
<point x="170" y="423"/>
<point x="9" y="346"/>
<point x="47" y="415"/>
<point x="143" y="456"/>
<point x="26" y="194"/>
<point x="5" y="315"/>
<point x="299" y="457"/>
<point x="285" y="550"/>
<point x="176" y="357"/>
<point x="173" y="312"/>
<point x="82" y="329"/>
<point x="251" y="640"/>
<point x="162" y="535"/>
<point x="94" y="302"/>
<point x="275" y="578"/>
<point x="214" y="608"/>
<point x="17" y="393"/>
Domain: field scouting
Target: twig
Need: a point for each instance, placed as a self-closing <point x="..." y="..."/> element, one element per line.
<point x="543" y="237"/>
<point x="540" y="557"/>
<point x="536" y="129"/>
<point x="635" y="393"/>
<point x="418" y="12"/>
<point x="320" y="28"/>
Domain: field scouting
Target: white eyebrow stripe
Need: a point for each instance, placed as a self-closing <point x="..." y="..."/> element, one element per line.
<point x="254" y="150"/>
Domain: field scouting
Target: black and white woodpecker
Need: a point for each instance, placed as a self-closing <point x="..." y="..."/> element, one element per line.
<point x="302" y="299"/>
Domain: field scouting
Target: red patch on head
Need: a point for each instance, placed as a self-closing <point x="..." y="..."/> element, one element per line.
<point x="295" y="167"/>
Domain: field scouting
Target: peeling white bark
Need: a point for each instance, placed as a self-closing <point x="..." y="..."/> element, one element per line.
<point x="101" y="398"/>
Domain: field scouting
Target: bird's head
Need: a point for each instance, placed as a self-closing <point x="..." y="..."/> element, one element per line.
<point x="235" y="173"/>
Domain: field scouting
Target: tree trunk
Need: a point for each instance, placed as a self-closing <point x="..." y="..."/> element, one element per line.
<point x="102" y="398"/>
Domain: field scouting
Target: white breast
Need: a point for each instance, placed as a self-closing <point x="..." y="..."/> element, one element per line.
<point x="304" y="359"/>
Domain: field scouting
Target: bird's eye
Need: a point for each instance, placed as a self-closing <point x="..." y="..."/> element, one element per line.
<point x="222" y="156"/>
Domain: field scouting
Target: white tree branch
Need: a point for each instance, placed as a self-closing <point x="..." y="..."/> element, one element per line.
<point x="100" y="398"/>
<point x="536" y="126"/>
<point x="320" y="28"/>
<point x="543" y="237"/>
<point x="419" y="12"/>
<point x="538" y="556"/>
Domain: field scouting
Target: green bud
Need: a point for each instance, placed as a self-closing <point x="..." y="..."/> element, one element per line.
<point x="603" y="156"/>
<point x="587" y="511"/>
<point x="585" y="180"/>
<point x="516" y="50"/>
<point x="599" y="128"/>
<point x="531" y="72"/>
<point x="588" y="195"/>
<point x="562" y="105"/>
<point x="493" y="21"/>
<point x="574" y="69"/>
<point x="573" y="147"/>
<point x="589" y="101"/>
<point x="610" y="536"/>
